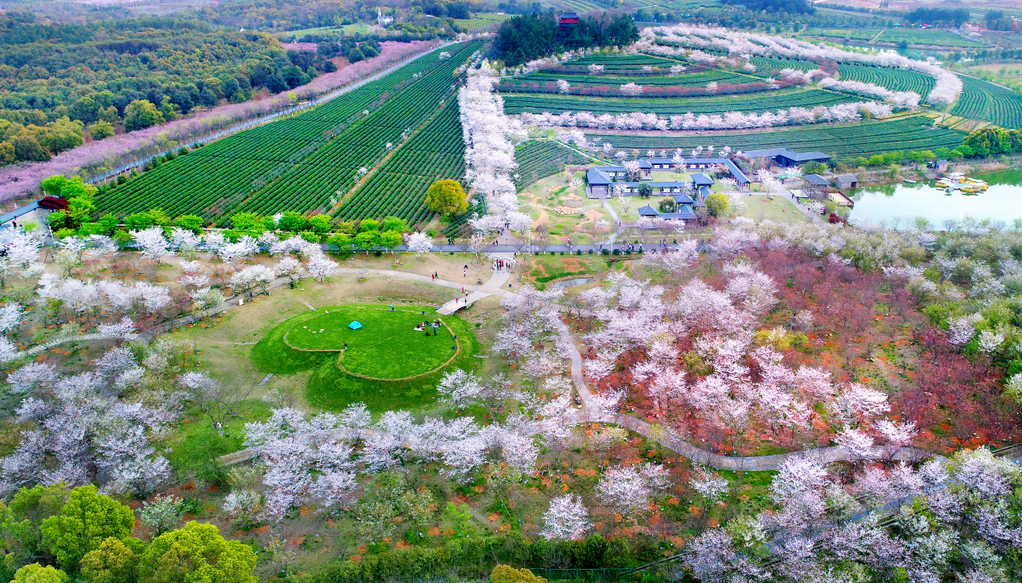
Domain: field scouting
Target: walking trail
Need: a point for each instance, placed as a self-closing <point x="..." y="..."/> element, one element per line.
<point x="592" y="412"/>
<point x="589" y="412"/>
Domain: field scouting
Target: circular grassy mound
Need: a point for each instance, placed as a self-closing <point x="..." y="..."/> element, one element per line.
<point x="388" y="364"/>
<point x="387" y="347"/>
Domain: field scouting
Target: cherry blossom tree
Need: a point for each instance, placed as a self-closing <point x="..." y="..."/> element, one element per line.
<point x="420" y="243"/>
<point x="460" y="388"/>
<point x="566" y="519"/>
<point x="631" y="89"/>
<point x="11" y="316"/>
<point x="320" y="267"/>
<point x="709" y="485"/>
<point x="290" y="268"/>
<point x="254" y="278"/>
<point x="628" y="490"/>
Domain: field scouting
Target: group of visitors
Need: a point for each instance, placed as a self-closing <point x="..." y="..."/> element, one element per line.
<point x="435" y="276"/>
<point x="500" y="264"/>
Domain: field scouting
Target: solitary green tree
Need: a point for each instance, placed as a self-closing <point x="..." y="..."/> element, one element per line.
<point x="85" y="521"/>
<point x="36" y="573"/>
<point x="508" y="574"/>
<point x="101" y="130"/>
<point x="112" y="562"/>
<point x="141" y="114"/>
<point x="446" y="197"/>
<point x="717" y="204"/>
<point x="194" y="554"/>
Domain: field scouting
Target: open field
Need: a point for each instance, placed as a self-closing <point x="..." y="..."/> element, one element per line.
<point x="347" y="29"/>
<point x="913" y="36"/>
<point x="481" y="21"/>
<point x="778" y="209"/>
<point x="386" y="346"/>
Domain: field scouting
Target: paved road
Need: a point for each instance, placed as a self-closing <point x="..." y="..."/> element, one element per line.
<point x="495" y="285"/>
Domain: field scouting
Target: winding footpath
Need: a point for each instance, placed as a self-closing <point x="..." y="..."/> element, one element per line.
<point x="591" y="412"/>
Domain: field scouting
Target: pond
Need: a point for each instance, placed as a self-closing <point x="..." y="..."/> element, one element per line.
<point x="898" y="205"/>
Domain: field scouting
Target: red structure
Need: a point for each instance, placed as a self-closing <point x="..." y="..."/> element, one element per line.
<point x="567" y="21"/>
<point x="53" y="203"/>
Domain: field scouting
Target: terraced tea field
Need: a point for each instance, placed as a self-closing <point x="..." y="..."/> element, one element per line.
<point x="842" y="142"/>
<point x="756" y="103"/>
<point x="983" y="100"/>
<point x="305" y="162"/>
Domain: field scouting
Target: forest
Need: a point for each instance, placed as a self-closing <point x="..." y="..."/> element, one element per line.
<point x="789" y="6"/>
<point x="948" y="16"/>
<point x="528" y="36"/>
<point x="110" y="75"/>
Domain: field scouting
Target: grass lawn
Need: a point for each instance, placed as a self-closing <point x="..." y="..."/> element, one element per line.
<point x="778" y="209"/>
<point x="329" y="387"/>
<point x="346" y="29"/>
<point x="544" y="268"/>
<point x="387" y="346"/>
<point x="670" y="176"/>
<point x="196" y="445"/>
<point x="481" y="21"/>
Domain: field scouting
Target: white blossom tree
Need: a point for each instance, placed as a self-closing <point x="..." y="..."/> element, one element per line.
<point x="566" y="519"/>
<point x="420" y="243"/>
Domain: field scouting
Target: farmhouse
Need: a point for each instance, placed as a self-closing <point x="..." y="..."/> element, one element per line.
<point x="817" y="186"/>
<point x="601" y="181"/>
<point x="684" y="213"/>
<point x="846" y="181"/>
<point x="700" y="181"/>
<point x="737" y="173"/>
<point x="786" y="158"/>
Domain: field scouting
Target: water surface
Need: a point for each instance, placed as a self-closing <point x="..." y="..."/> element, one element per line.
<point x="898" y="205"/>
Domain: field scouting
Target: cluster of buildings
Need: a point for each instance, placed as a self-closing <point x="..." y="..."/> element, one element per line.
<point x="607" y="181"/>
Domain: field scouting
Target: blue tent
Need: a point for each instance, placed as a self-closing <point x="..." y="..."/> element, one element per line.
<point x="355" y="325"/>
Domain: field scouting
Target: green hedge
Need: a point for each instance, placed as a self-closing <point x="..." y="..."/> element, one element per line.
<point x="475" y="557"/>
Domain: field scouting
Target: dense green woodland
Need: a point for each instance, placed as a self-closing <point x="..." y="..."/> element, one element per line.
<point x="56" y="80"/>
<point x="529" y="36"/>
<point x="789" y="6"/>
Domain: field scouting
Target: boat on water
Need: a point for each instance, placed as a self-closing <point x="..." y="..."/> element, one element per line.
<point x="907" y="181"/>
<point x="958" y="181"/>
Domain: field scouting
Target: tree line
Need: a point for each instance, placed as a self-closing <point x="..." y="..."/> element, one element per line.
<point x="947" y="16"/>
<point x="52" y="533"/>
<point x="530" y="36"/>
<point x="789" y="6"/>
